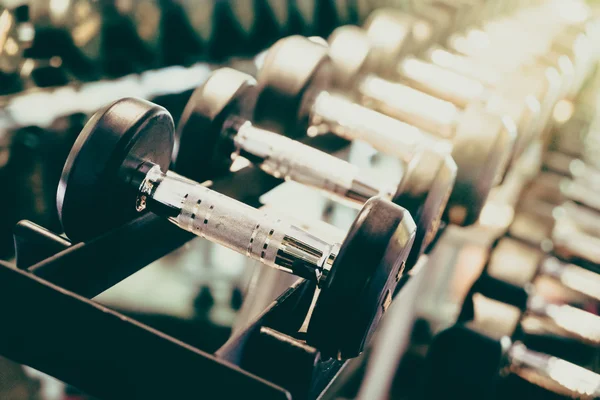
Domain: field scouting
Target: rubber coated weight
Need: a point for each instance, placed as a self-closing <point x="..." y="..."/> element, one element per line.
<point x="482" y="147"/>
<point x="294" y="72"/>
<point x="382" y="25"/>
<point x="202" y="146"/>
<point x="96" y="179"/>
<point x="424" y="190"/>
<point x="362" y="279"/>
<point x="218" y="109"/>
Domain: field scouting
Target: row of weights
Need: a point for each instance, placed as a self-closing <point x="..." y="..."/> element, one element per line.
<point x="482" y="347"/>
<point x="87" y="39"/>
<point x="120" y="163"/>
<point x="534" y="302"/>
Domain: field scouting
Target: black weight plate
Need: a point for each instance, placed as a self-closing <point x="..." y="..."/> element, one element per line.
<point x="362" y="279"/>
<point x="294" y="72"/>
<point x="203" y="146"/>
<point x="463" y="360"/>
<point x="424" y="191"/>
<point x="95" y="193"/>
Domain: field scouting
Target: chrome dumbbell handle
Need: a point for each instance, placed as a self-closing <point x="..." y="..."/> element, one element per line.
<point x="334" y="113"/>
<point x="575" y="322"/>
<point x="405" y="103"/>
<point x="230" y="223"/>
<point x="447" y="83"/>
<point x="573" y="277"/>
<point x="553" y="373"/>
<point x="287" y="159"/>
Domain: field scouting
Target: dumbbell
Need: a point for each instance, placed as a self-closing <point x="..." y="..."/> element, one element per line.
<point x="418" y="89"/>
<point x="509" y="277"/>
<point x="475" y="360"/>
<point x="213" y="122"/>
<point x="552" y="189"/>
<point x="572" y="168"/>
<point x="118" y="168"/>
<point x="294" y="95"/>
<point x="558" y="231"/>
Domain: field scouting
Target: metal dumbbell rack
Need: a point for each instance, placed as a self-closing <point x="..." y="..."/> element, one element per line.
<point x="106" y="354"/>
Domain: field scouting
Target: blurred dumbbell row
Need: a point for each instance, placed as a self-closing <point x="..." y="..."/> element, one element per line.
<point x="48" y="43"/>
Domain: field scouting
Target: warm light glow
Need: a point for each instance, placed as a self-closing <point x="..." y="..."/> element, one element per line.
<point x="239" y="163"/>
<point x="5" y="25"/>
<point x="573" y="12"/>
<point x="566" y="65"/>
<point x="259" y="59"/>
<point x="563" y="111"/>
<point x="474" y="41"/>
<point x="87" y="31"/>
<point x="59" y="7"/>
<point x="422" y="31"/>
<point x="496" y="215"/>
<point x="11" y="46"/>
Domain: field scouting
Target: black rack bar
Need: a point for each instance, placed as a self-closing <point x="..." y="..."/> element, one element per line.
<point x="107" y="354"/>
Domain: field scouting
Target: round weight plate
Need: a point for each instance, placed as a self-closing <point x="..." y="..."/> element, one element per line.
<point x="203" y="146"/>
<point x="295" y="70"/>
<point x="95" y="192"/>
<point x="424" y="191"/>
<point x="481" y="148"/>
<point x="362" y="279"/>
<point x="351" y="54"/>
<point x="390" y="32"/>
